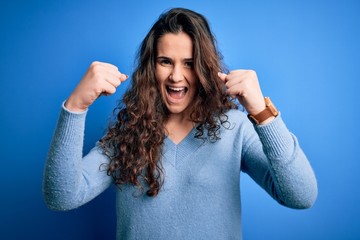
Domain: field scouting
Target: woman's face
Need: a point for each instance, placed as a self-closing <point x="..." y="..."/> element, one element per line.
<point x="175" y="73"/>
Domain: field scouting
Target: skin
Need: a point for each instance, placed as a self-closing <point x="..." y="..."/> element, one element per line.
<point x="174" y="69"/>
<point x="244" y="85"/>
<point x="100" y="79"/>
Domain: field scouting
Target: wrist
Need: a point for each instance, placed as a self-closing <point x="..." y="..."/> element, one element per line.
<point x="72" y="107"/>
<point x="270" y="119"/>
<point x="266" y="115"/>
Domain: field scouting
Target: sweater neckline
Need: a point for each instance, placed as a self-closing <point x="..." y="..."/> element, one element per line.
<point x="178" y="153"/>
<point x="190" y="134"/>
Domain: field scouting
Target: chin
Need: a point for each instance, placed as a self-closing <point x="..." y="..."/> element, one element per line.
<point x="176" y="110"/>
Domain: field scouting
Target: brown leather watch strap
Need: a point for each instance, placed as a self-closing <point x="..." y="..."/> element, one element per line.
<point x="269" y="111"/>
<point x="262" y="116"/>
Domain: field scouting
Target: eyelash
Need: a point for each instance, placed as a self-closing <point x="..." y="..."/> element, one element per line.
<point x="168" y="62"/>
<point x="190" y="64"/>
<point x="165" y="62"/>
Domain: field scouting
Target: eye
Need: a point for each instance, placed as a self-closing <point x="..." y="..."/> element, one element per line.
<point x="189" y="64"/>
<point x="164" y="61"/>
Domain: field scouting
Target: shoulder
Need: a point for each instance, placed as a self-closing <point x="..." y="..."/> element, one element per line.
<point x="235" y="121"/>
<point x="236" y="116"/>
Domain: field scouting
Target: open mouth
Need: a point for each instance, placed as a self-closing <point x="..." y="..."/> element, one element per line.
<point x="176" y="92"/>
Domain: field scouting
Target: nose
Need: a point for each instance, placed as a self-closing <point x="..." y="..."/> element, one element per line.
<point x="177" y="74"/>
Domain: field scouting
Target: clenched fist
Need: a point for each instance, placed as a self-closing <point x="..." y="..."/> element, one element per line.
<point x="100" y="79"/>
<point x="244" y="85"/>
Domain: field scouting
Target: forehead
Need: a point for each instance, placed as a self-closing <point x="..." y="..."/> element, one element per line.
<point x="175" y="44"/>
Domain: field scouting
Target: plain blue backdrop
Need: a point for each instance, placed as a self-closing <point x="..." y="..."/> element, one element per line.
<point x="306" y="54"/>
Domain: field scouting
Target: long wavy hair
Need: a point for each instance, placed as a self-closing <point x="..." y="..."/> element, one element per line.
<point x="134" y="142"/>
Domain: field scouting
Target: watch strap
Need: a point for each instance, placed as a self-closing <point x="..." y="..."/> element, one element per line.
<point x="269" y="111"/>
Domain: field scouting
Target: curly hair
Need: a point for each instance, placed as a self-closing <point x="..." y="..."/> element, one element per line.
<point x="134" y="142"/>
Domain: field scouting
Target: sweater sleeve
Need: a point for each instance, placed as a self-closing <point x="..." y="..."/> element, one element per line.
<point x="70" y="180"/>
<point x="276" y="162"/>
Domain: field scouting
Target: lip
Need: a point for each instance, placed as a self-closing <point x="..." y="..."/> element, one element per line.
<point x="176" y="88"/>
<point x="171" y="99"/>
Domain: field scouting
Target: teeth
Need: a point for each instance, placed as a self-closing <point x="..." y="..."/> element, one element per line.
<point x="178" y="89"/>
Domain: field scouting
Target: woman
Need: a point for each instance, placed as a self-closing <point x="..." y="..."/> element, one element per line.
<point x="179" y="143"/>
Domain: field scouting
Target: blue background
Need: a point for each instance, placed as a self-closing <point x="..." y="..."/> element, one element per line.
<point x="306" y="54"/>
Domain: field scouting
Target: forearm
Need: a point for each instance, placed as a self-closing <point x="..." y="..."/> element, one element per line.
<point x="70" y="180"/>
<point x="62" y="173"/>
<point x="285" y="173"/>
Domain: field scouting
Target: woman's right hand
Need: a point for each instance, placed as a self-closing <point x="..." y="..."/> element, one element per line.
<point x="100" y="79"/>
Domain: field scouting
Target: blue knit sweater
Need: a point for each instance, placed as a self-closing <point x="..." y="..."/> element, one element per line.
<point x="200" y="198"/>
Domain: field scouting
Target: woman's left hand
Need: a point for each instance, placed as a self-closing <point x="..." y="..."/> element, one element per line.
<point x="244" y="85"/>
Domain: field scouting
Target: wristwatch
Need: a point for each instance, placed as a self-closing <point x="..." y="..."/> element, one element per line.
<point x="269" y="111"/>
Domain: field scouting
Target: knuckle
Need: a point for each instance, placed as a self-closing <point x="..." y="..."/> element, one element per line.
<point x="252" y="73"/>
<point x="95" y="66"/>
<point x="112" y="90"/>
<point x="94" y="63"/>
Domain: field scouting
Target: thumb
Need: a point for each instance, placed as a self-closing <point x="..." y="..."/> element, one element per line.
<point x="222" y="76"/>
<point x="123" y="77"/>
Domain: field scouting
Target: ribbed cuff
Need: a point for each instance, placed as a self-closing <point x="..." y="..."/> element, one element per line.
<point x="275" y="137"/>
<point x="71" y="125"/>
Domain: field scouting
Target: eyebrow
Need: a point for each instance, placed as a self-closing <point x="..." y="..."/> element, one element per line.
<point x="167" y="58"/>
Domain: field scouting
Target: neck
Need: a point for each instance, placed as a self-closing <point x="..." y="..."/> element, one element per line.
<point x="177" y="127"/>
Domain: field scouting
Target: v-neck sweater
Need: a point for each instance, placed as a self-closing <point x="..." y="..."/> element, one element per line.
<point x="200" y="198"/>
